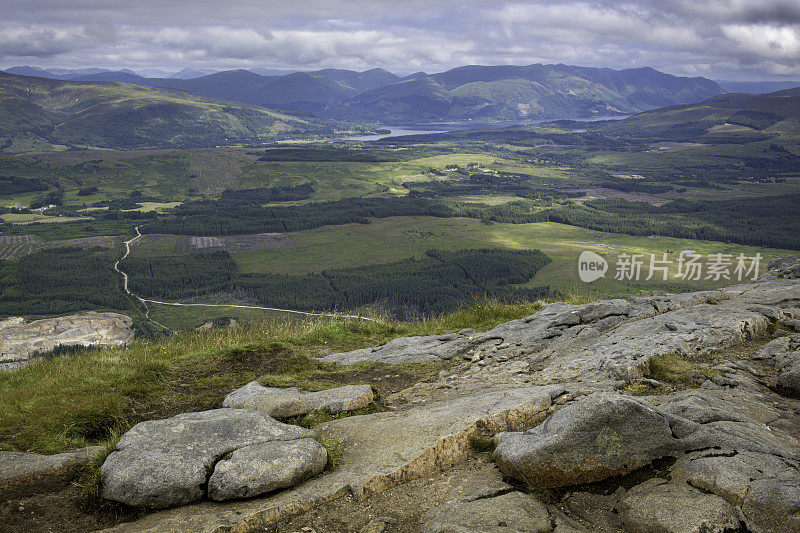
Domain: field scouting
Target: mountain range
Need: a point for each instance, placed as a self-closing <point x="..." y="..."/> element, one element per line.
<point x="477" y="93"/>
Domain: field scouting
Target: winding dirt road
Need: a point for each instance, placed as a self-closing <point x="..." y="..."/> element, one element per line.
<point x="145" y="301"/>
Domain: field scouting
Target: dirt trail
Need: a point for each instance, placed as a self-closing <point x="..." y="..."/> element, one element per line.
<point x="145" y="301"/>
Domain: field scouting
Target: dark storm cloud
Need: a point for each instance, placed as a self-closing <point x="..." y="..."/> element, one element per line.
<point x="716" y="38"/>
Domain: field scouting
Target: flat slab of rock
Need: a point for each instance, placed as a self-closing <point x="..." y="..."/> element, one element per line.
<point x="514" y="512"/>
<point x="380" y="450"/>
<point x="23" y="474"/>
<point x="285" y="403"/>
<point x="165" y="463"/>
<point x="601" y="435"/>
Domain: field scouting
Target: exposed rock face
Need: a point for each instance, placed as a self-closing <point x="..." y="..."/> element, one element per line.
<point x="20" y="340"/>
<point x="602" y="435"/>
<point x="164" y="463"/>
<point x="605" y="340"/>
<point x="784" y="268"/>
<point x="514" y="512"/>
<point x="556" y="390"/>
<point x="261" y="468"/>
<point x="284" y="403"/>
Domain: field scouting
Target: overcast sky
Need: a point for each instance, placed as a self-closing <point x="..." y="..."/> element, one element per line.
<point x="722" y="39"/>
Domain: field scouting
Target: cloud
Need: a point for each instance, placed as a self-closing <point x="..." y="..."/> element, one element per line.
<point x="715" y="38"/>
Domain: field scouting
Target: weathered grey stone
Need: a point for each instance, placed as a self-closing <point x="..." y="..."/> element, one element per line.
<point x="164" y="463"/>
<point x="586" y="349"/>
<point x="601" y="435"/>
<point x="23" y="474"/>
<point x="283" y="403"/>
<point x="676" y="508"/>
<point x="265" y="467"/>
<point x="429" y="349"/>
<point x="788" y="366"/>
<point x="511" y="512"/>
<point x="773" y="505"/>
<point x="729" y="474"/>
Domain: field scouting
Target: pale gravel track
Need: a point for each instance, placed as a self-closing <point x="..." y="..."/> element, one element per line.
<point x="145" y="301"/>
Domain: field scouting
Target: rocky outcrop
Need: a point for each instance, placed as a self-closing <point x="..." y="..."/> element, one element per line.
<point x="605" y="340"/>
<point x="601" y="435"/>
<point x="289" y="402"/>
<point x="19" y="341"/>
<point x="380" y="451"/>
<point x="164" y="463"/>
<point x="784" y="268"/>
<point x="716" y="450"/>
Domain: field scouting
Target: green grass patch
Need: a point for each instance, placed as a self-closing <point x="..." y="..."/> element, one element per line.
<point x="674" y="368"/>
<point x="335" y="451"/>
<point x="93" y="484"/>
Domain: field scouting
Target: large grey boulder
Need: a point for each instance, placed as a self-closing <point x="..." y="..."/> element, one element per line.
<point x="514" y="512"/>
<point x="165" y="463"/>
<point x="261" y="468"/>
<point x="675" y="508"/>
<point x="601" y="435"/>
<point x="284" y="403"/>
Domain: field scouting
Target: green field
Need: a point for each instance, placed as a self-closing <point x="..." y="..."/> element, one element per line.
<point x="392" y="239"/>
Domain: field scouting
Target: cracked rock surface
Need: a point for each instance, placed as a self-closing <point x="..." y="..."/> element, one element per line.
<point x="164" y="463"/>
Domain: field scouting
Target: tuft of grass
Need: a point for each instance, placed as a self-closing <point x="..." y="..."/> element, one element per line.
<point x="775" y="326"/>
<point x="638" y="389"/>
<point x="93" y="486"/>
<point x="334" y="449"/>
<point x="674" y="368"/>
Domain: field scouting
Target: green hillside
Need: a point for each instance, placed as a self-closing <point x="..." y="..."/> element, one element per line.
<point x="39" y="113"/>
<point x="728" y="115"/>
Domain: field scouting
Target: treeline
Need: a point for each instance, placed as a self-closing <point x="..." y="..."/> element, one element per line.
<point x="754" y="119"/>
<point x="60" y="280"/>
<point x="350" y="154"/>
<point x="265" y="195"/>
<point x="214" y="217"/>
<point x="439" y="282"/>
<point x="16" y="185"/>
<point x="636" y="186"/>
<point x="185" y="276"/>
<point x="766" y="221"/>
